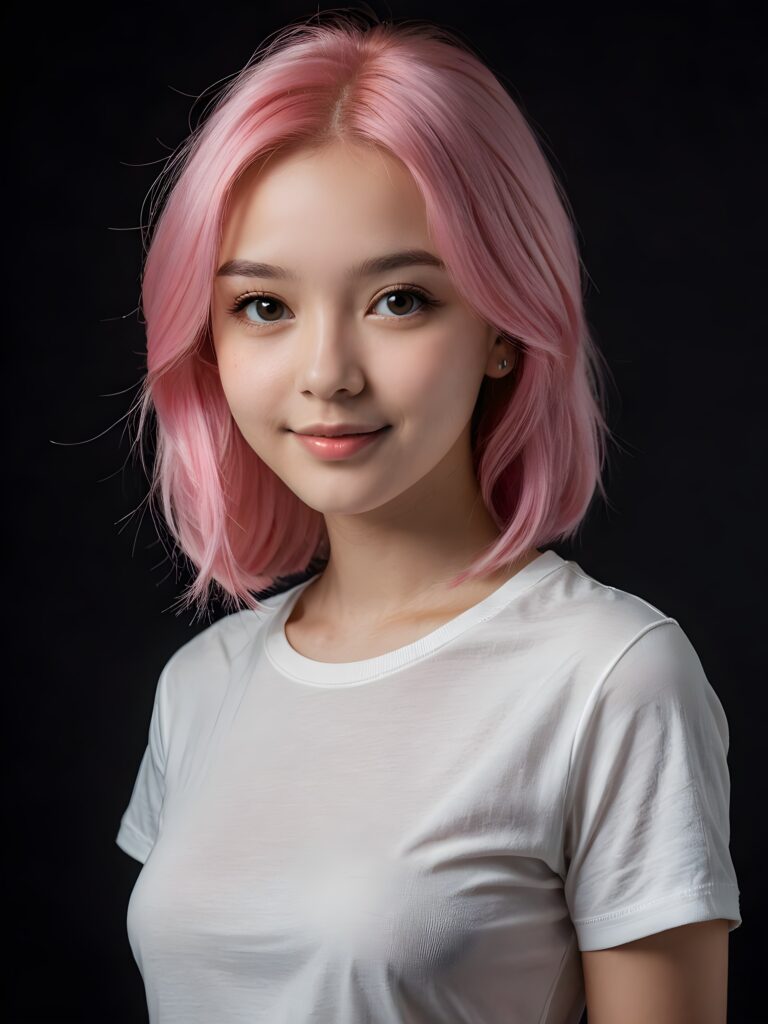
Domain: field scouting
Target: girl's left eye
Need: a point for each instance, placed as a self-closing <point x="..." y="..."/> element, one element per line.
<point x="263" y="299"/>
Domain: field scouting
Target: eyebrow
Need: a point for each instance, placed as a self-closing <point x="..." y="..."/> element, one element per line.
<point x="369" y="267"/>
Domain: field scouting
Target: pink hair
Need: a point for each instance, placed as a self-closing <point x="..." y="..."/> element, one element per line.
<point x="501" y="223"/>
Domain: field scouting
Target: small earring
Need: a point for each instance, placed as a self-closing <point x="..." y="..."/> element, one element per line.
<point x="503" y="364"/>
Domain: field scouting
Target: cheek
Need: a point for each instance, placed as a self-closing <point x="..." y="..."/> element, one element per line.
<point x="438" y="383"/>
<point x="245" y="399"/>
<point x="249" y="383"/>
<point x="236" y="387"/>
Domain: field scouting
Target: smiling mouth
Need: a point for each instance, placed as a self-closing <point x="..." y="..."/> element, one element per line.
<point x="330" y="437"/>
<point x="362" y="433"/>
<point x="340" y="446"/>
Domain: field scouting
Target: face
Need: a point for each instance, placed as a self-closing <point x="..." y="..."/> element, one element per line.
<point x="324" y="346"/>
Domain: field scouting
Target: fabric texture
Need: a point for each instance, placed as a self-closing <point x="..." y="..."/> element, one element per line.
<point x="434" y="834"/>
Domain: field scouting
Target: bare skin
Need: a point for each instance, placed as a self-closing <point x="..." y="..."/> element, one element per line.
<point x="678" y="976"/>
<point x="406" y="516"/>
<point x="310" y="632"/>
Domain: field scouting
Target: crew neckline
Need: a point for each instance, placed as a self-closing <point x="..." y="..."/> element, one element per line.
<point x="288" y="661"/>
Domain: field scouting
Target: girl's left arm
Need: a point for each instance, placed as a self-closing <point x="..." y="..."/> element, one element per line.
<point x="677" y="976"/>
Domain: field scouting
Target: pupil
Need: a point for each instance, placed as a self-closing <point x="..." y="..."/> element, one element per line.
<point x="265" y="302"/>
<point x="396" y="297"/>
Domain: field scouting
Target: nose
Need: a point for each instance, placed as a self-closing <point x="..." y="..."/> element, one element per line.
<point x="329" y="358"/>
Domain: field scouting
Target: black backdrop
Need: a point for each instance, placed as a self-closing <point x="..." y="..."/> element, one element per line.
<point x="655" y="121"/>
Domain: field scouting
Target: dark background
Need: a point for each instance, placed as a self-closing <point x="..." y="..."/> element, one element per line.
<point x="654" y="120"/>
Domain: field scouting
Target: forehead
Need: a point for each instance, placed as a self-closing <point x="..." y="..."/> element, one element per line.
<point x="344" y="195"/>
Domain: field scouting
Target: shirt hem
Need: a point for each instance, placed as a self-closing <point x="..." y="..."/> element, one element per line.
<point x="133" y="842"/>
<point x="705" y="903"/>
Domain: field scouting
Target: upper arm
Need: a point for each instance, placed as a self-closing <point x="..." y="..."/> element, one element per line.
<point x="647" y="829"/>
<point x="677" y="976"/>
<point x="140" y="823"/>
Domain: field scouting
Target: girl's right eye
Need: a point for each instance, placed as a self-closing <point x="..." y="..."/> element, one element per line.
<point x="257" y="299"/>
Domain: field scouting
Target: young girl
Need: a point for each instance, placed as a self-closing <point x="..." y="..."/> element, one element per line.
<point x="450" y="777"/>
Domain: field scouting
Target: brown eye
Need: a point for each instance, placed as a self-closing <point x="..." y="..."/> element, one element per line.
<point x="264" y="305"/>
<point x="400" y="301"/>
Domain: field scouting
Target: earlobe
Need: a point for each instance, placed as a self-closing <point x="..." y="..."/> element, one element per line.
<point x="503" y="359"/>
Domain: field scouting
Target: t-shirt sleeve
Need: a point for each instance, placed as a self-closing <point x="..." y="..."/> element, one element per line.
<point x="140" y="822"/>
<point x="647" y="800"/>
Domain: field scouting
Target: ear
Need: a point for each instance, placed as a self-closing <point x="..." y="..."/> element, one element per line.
<point x="501" y="349"/>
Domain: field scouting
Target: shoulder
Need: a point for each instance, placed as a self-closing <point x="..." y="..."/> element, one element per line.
<point x="612" y="646"/>
<point x="605" y="606"/>
<point x="640" y="664"/>
<point x="645" y="645"/>
<point x="579" y="619"/>
<point x="199" y="671"/>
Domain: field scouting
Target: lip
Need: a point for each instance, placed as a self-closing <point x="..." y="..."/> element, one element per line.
<point x="337" y="429"/>
<point x="333" y="448"/>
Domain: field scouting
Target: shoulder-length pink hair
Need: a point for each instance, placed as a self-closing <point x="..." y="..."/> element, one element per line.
<point x="501" y="223"/>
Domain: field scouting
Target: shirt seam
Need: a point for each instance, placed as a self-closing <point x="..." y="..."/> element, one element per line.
<point x="577" y="571"/>
<point x="681" y="894"/>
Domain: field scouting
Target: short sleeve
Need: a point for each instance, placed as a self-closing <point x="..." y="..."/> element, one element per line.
<point x="140" y="822"/>
<point x="646" y="837"/>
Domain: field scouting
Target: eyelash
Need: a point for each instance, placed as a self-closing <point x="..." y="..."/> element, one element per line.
<point x="242" y="301"/>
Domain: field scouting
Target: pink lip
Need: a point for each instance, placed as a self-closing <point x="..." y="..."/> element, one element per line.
<point x="332" y="448"/>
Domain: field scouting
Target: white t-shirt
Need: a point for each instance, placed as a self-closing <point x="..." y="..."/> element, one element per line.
<point x="431" y="835"/>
